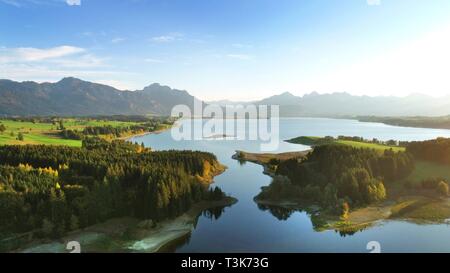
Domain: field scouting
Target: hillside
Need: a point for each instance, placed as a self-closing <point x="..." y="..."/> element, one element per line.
<point x="75" y="97"/>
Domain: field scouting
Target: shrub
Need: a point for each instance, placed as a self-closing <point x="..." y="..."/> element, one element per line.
<point x="442" y="188"/>
<point x="343" y="209"/>
<point x="20" y="137"/>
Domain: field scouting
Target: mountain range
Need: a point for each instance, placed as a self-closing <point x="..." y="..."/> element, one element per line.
<point x="75" y="97"/>
<point x="344" y="104"/>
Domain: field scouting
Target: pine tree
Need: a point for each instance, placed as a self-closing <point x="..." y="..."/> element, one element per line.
<point x="74" y="222"/>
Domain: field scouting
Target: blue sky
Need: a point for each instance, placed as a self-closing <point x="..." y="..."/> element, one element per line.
<point x="232" y="49"/>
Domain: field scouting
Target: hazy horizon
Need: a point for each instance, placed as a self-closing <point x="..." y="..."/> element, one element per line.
<point x="251" y="100"/>
<point x="233" y="50"/>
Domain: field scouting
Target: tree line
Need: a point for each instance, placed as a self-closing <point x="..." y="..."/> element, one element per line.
<point x="339" y="176"/>
<point x="436" y="150"/>
<point x="116" y="131"/>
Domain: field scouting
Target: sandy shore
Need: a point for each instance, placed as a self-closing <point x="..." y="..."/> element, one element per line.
<point x="129" y="234"/>
<point x="127" y="138"/>
<point x="166" y="232"/>
<point x="265" y="158"/>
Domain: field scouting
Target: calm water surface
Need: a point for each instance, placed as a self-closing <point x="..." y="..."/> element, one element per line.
<point x="246" y="228"/>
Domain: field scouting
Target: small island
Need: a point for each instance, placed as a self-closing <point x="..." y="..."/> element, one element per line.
<point x="348" y="183"/>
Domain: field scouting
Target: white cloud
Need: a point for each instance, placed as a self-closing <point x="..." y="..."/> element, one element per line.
<point x="163" y="39"/>
<point x="117" y="40"/>
<point x="21" y="3"/>
<point x="73" y="2"/>
<point x="52" y="73"/>
<point x="45" y="72"/>
<point x="36" y="54"/>
<point x="86" y="61"/>
<point x="12" y="2"/>
<point x="240" y="56"/>
<point x="31" y="54"/>
<point x="167" y="38"/>
<point x="51" y="64"/>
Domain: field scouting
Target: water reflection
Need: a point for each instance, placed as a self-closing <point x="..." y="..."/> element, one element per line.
<point x="319" y="223"/>
<point x="176" y="244"/>
<point x="278" y="212"/>
<point x="212" y="214"/>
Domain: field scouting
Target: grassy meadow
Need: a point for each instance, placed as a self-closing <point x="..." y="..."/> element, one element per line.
<point x="314" y="141"/>
<point x="425" y="170"/>
<point x="375" y="146"/>
<point x="47" y="133"/>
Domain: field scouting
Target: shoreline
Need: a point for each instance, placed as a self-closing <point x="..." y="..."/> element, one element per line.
<point x="327" y="221"/>
<point x="264" y="159"/>
<point x="407" y="207"/>
<point x="170" y="231"/>
<point x="128" y="138"/>
<point x="114" y="234"/>
<point x="357" y="220"/>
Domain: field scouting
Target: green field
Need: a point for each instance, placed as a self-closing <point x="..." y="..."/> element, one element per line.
<point x="47" y="133"/>
<point x="370" y="145"/>
<point x="34" y="133"/>
<point x="421" y="208"/>
<point x="425" y="170"/>
<point x="315" y="141"/>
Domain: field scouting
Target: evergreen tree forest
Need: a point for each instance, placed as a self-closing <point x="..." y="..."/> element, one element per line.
<point x="339" y="176"/>
<point x="55" y="189"/>
<point x="436" y="150"/>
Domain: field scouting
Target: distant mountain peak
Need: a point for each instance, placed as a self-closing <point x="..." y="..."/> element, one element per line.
<point x="312" y="94"/>
<point x="153" y="85"/>
<point x="285" y="98"/>
<point x="156" y="88"/>
<point x="70" y="79"/>
<point x="286" y="94"/>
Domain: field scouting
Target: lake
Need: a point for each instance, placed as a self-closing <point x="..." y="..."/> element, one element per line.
<point x="245" y="227"/>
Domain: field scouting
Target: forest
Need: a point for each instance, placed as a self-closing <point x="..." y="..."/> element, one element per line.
<point x="115" y="131"/>
<point x="51" y="190"/>
<point x="339" y="177"/>
<point x="436" y="150"/>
